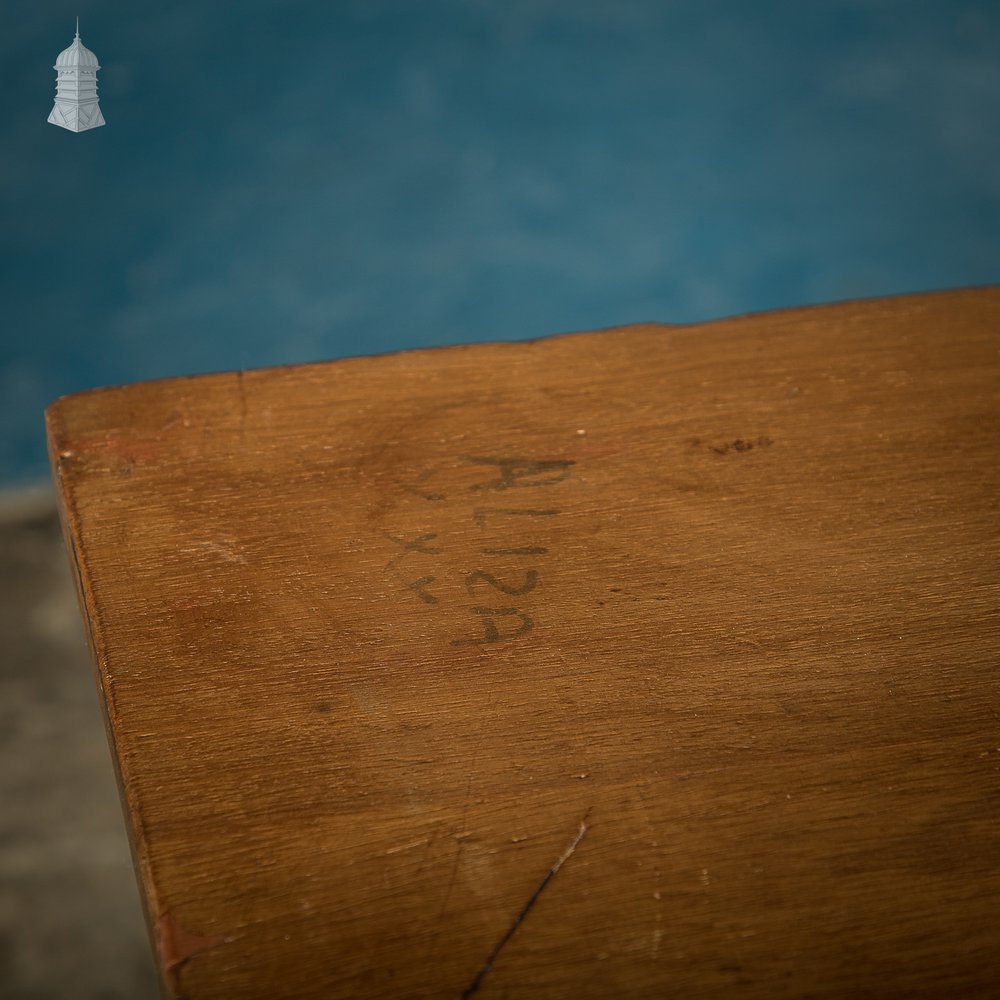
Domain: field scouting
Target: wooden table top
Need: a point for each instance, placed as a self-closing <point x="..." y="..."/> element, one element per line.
<point x="658" y="661"/>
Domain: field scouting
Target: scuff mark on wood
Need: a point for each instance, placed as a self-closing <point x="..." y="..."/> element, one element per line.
<point x="241" y="389"/>
<point x="176" y="944"/>
<point x="742" y="445"/>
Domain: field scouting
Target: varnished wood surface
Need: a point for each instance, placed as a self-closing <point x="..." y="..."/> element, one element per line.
<point x="653" y="662"/>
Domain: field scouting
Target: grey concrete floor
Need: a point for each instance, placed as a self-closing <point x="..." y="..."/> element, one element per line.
<point x="71" y="925"/>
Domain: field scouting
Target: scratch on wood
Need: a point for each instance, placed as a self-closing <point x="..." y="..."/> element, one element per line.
<point x="407" y="847"/>
<point x="526" y="909"/>
<point x="451" y="885"/>
<point x="454" y="871"/>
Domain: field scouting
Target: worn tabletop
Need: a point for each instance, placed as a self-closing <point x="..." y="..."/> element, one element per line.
<point x="658" y="661"/>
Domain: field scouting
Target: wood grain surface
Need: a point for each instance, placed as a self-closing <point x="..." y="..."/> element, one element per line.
<point x="653" y="662"/>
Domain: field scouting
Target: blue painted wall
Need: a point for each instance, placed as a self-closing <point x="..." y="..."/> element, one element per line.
<point x="291" y="181"/>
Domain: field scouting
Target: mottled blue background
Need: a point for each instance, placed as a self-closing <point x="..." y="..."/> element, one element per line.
<point x="291" y="181"/>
